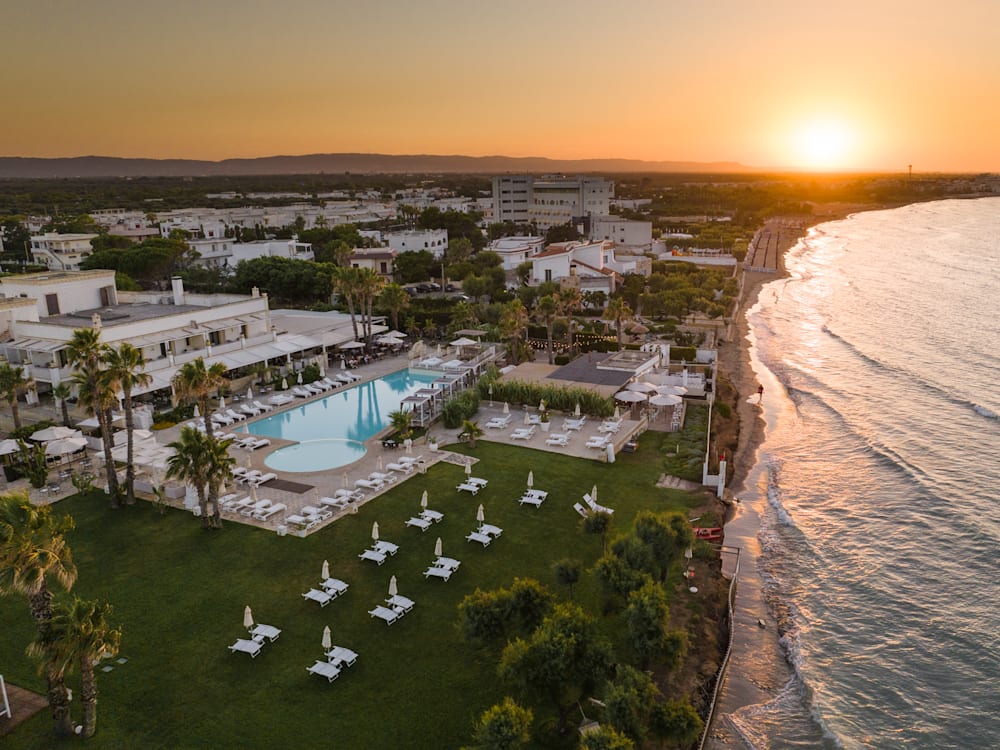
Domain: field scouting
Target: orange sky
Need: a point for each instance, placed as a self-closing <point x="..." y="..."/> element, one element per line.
<point x="878" y="84"/>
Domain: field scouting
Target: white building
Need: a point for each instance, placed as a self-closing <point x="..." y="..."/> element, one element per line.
<point x="623" y="232"/>
<point x="61" y="252"/>
<point x="379" y="259"/>
<point x="223" y="253"/>
<point x="40" y="312"/>
<point x="578" y="264"/>
<point x="412" y="240"/>
<point x="514" y="251"/>
<point x="550" y="201"/>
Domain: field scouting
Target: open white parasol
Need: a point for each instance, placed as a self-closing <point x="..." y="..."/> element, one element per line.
<point x="665" y="400"/>
<point x="463" y="342"/>
<point x="63" y="446"/>
<point x="671" y="390"/>
<point x="9" y="446"/>
<point x="437" y="547"/>
<point x="248" y="618"/>
<point x="630" y="397"/>
<point x="641" y="387"/>
<point x="56" y="432"/>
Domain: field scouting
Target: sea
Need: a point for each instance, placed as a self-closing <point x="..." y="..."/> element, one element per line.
<point x="878" y="482"/>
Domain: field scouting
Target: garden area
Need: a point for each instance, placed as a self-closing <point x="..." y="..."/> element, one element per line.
<point x="179" y="594"/>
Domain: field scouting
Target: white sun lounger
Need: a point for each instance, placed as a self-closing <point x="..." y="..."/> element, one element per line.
<point x="476" y="536"/>
<point x="499" y="423"/>
<point x="325" y="669"/>
<point x="580" y="509"/>
<point x="384" y="613"/>
<point x="574" y="424"/>
<point x="252" y="445"/>
<point x="262" y="407"/>
<point x="431" y="515"/>
<point x="560" y="441"/>
<point x="381" y="476"/>
<point x="249" y="410"/>
<point x="220" y="418"/>
<point x="320" y="597"/>
<point x="268" y="513"/>
<point x="598" y="442"/>
<point x="246" y="646"/>
<point x="420" y="523"/>
<point x="370" y="554"/>
<point x="523" y="433"/>
<point x="239" y="505"/>
<point x="368" y="484"/>
<point x="259" y="505"/>
<point x="447" y="562"/>
<point x="478" y="481"/>
<point x="341" y="657"/>
<point x="302" y="392"/>
<point x="385" y="548"/>
<point x="437" y="572"/>
<point x="334" y="586"/>
<point x="265" y="631"/>
<point x="490" y="530"/>
<point x="404" y="468"/>
<point x="281" y="400"/>
<point x="237" y="416"/>
<point x="398" y="602"/>
<point x="596" y="507"/>
<point x="468" y="487"/>
<point x="262" y="479"/>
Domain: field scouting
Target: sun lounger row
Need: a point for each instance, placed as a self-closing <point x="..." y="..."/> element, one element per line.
<point x="252" y="477"/>
<point x="251" y="442"/>
<point x="255" y="643"/>
<point x="599" y="441"/>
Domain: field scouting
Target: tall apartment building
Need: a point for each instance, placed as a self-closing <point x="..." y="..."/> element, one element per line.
<point x="550" y="201"/>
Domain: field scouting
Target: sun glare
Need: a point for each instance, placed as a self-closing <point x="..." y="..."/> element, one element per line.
<point x="823" y="144"/>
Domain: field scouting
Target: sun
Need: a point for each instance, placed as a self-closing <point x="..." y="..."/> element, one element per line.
<point x="823" y="144"/>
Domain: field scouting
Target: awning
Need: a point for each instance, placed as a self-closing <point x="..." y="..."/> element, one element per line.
<point x="38" y="345"/>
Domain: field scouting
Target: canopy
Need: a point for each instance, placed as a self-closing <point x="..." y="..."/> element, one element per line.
<point x="56" y="432"/>
<point x="630" y="397"/>
<point x="666" y="400"/>
<point x="352" y="345"/>
<point x="9" y="446"/>
<point x="65" y="445"/>
<point x="463" y="342"/>
<point x="641" y="387"/>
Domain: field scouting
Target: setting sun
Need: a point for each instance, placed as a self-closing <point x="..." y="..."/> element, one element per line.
<point x="824" y="144"/>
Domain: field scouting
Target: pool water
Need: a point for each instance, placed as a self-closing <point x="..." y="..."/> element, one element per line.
<point x="332" y="431"/>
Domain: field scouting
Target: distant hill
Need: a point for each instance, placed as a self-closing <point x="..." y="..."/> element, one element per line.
<point x="108" y="166"/>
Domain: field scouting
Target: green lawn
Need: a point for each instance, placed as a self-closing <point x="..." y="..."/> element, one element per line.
<point x="179" y="593"/>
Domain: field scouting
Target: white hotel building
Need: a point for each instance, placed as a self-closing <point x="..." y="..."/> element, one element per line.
<point x="550" y="201"/>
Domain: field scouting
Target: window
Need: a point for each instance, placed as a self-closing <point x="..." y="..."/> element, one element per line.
<point x="52" y="302"/>
<point x="548" y="274"/>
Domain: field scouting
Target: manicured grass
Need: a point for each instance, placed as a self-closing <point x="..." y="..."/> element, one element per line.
<point x="179" y="593"/>
<point x="684" y="452"/>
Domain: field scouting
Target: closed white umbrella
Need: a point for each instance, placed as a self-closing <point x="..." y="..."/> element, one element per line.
<point x="326" y="642"/>
<point x="593" y="493"/>
<point x="437" y="547"/>
<point x="617" y="415"/>
<point x="322" y="371"/>
<point x="375" y="531"/>
<point x="392" y="586"/>
<point x="531" y="479"/>
<point x="468" y="470"/>
<point x="248" y="618"/>
<point x="344" y="480"/>
<point x="541" y="405"/>
<point x="197" y="411"/>
<point x="325" y="572"/>
<point x="423" y="500"/>
<point x="253" y="492"/>
<point x="249" y="393"/>
<point x="480" y="514"/>
<point x="300" y="378"/>
<point x="379" y="464"/>
<point x="527" y="418"/>
<point x="284" y="384"/>
<point x="222" y="403"/>
<point x="576" y="411"/>
<point x="506" y="408"/>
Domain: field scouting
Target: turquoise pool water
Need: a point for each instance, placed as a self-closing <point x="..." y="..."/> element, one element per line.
<point x="332" y="431"/>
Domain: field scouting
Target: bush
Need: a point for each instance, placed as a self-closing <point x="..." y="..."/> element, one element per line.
<point x="180" y="413"/>
<point x="687" y="353"/>
<point x="562" y="359"/>
<point x="557" y="398"/>
<point x="459" y="409"/>
<point x="25" y="432"/>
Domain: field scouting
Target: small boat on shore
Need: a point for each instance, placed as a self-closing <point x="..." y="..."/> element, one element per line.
<point x="708" y="534"/>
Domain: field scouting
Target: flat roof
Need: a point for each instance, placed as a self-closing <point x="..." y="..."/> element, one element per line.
<point x="112" y="315"/>
<point x="584" y="369"/>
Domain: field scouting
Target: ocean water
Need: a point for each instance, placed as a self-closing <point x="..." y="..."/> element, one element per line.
<point x="878" y="482"/>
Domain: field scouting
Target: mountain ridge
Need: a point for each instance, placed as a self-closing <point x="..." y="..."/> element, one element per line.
<point x="21" y="167"/>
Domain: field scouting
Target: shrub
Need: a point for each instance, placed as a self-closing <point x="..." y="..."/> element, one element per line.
<point x="461" y="408"/>
<point x="562" y="359"/>
<point x="557" y="398"/>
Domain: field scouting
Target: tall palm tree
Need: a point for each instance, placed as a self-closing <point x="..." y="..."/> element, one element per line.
<point x="619" y="312"/>
<point x="219" y="465"/>
<point x="97" y="397"/>
<point x="85" y="351"/>
<point x="80" y="636"/>
<point x="546" y="310"/>
<point x="13" y="382"/>
<point x="346" y="283"/>
<point x="569" y="299"/>
<point x="394" y="299"/>
<point x="513" y="326"/>
<point x="33" y="550"/>
<point x="126" y="367"/>
<point x="370" y="284"/>
<point x="196" y="382"/>
<point x="62" y="393"/>
<point x="190" y="464"/>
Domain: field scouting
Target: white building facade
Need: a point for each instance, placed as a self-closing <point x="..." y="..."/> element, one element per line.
<point x="61" y="252"/>
<point x="413" y="240"/>
<point x="550" y="201"/>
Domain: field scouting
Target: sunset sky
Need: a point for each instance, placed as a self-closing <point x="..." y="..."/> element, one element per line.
<point x="878" y="84"/>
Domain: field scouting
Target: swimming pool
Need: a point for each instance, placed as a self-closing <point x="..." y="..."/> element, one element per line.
<point x="332" y="431"/>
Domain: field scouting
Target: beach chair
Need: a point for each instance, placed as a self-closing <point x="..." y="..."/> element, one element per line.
<point x="314" y="389"/>
<point x="389" y="616"/>
<point x="325" y="669"/>
<point x="353" y="496"/>
<point x="448" y="562"/>
<point x="609" y="427"/>
<point x="385" y="548"/>
<point x="337" y="503"/>
<point x="523" y="433"/>
<point x="351" y="376"/>
<point x="252" y="509"/>
<point x="468" y="487"/>
<point x="343" y="378"/>
<point x="476" y="536"/>
<point x="400" y="602"/>
<point x="302" y="392"/>
<point x="400" y="467"/>
<point x="236" y="416"/>
<point x="330" y="383"/>
<point x="262" y="407"/>
<point x="376" y="557"/>
<point x="250" y="410"/>
<point x="341" y="657"/>
<point x="269" y="512"/>
<point x="581" y="510"/>
<point x="261" y="631"/>
<point x="281" y="399"/>
<point x="246" y="646"/>
<point x="223" y="419"/>
<point x="531" y="500"/>
<point x="598" y="442"/>
<point x="477" y="481"/>
<point x="574" y="424"/>
<point x="381" y="476"/>
<point x="252" y="445"/>
<point x="420" y="523"/>
<point x="499" y="423"/>
<point x="557" y="442"/>
<point x="320" y="597"/>
<point x="260" y="479"/>
<point x="437" y="572"/>
<point x="334" y="587"/>
<point x="431" y="515"/>
<point x="490" y="530"/>
<point x="239" y="505"/>
<point x="369" y="484"/>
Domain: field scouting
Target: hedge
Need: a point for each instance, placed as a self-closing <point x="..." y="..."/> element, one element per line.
<point x="557" y="398"/>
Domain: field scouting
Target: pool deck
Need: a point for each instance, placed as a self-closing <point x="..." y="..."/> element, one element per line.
<point x="324" y="483"/>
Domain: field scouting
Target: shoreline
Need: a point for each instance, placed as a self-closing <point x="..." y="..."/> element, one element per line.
<point x="758" y="669"/>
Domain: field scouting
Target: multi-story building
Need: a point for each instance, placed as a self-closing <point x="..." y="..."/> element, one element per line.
<point x="623" y="232"/>
<point x="412" y="240"/>
<point x="550" y="201"/>
<point x="222" y="252"/>
<point x="514" y="251"/>
<point x="61" y="252"/>
<point x="379" y="259"/>
<point x="512" y="198"/>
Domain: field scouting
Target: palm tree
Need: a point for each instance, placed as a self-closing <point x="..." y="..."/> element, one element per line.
<point x="125" y="366"/>
<point x="471" y="431"/>
<point x="394" y="299"/>
<point x="569" y="299"/>
<point x="81" y="635"/>
<point x="190" y="464"/>
<point x="85" y="351"/>
<point x="369" y="286"/>
<point x="346" y="282"/>
<point x="62" y="393"/>
<point x="97" y="396"/>
<point x="218" y="468"/>
<point x="619" y="312"/>
<point x="196" y="382"/>
<point x="401" y="422"/>
<point x="13" y="382"/>
<point x="33" y="550"/>
<point x="513" y="325"/>
<point x="546" y="310"/>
